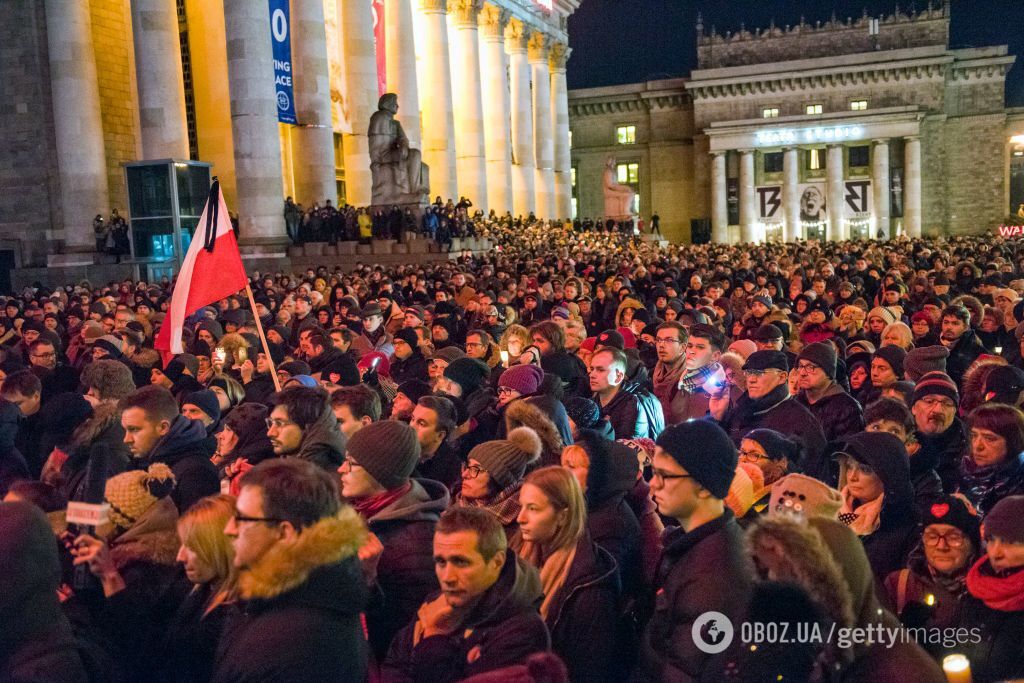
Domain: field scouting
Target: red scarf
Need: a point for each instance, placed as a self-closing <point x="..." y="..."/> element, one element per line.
<point x="1001" y="593"/>
<point x="371" y="505"/>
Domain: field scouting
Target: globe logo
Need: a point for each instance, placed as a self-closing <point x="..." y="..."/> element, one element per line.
<point x="712" y="632"/>
<point x="282" y="101"/>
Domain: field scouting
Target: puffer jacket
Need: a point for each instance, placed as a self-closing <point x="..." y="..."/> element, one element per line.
<point x="838" y="413"/>
<point x="323" y="443"/>
<point x="962" y="354"/>
<point x="634" y="412"/>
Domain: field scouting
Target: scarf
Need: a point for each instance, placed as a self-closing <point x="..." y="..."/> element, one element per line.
<point x="693" y="380"/>
<point x="369" y="506"/>
<point x="865" y="518"/>
<point x="553" y="571"/>
<point x="1002" y="593"/>
<point x="665" y="376"/>
<point x="505" y="506"/>
<point x="985" y="486"/>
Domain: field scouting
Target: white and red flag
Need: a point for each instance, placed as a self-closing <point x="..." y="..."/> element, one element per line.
<point x="212" y="270"/>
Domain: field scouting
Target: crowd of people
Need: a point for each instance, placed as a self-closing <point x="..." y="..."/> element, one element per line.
<point x="544" y="463"/>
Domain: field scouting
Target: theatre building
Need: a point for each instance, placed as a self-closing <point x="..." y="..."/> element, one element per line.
<point x="844" y="129"/>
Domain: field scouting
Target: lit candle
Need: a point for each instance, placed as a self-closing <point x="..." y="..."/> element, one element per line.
<point x="957" y="668"/>
<point x="504" y="358"/>
<point x="999" y="350"/>
<point x="929" y="600"/>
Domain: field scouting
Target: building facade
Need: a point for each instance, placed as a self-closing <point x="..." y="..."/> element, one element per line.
<point x="93" y="84"/>
<point x="843" y="129"/>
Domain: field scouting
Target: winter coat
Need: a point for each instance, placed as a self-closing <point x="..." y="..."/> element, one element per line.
<point x="301" y="617"/>
<point x="102" y="433"/>
<point x="189" y="646"/>
<point x="999" y="655"/>
<point x="362" y="345"/>
<point x="838" y="413"/>
<point x="962" y="354"/>
<point x="651" y="527"/>
<point x="184" y="451"/>
<point x="703" y="570"/>
<point x="405" y="571"/>
<point x="502" y="629"/>
<point x="323" y="443"/>
<point x="677" y="405"/>
<point x="260" y="388"/>
<point x="346" y="366"/>
<point x="13" y="467"/>
<point x="630" y="417"/>
<point x="908" y="589"/>
<point x="986" y="486"/>
<point x="946" y="450"/>
<point x="443" y="466"/>
<point x="413" y="367"/>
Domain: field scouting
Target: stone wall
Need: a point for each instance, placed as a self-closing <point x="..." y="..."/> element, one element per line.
<point x="974" y="172"/>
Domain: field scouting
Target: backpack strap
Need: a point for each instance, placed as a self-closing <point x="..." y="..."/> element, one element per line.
<point x="901" y="589"/>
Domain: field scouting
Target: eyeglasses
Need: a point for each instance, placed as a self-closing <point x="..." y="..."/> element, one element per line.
<point x="806" y="368"/>
<point x="758" y="373"/>
<point x="933" y="401"/>
<point x="668" y="476"/>
<point x="667" y="340"/>
<point x="471" y="471"/>
<point x="349" y="464"/>
<point x="274" y="423"/>
<point x="51" y="354"/>
<point x="469" y="344"/>
<point x="505" y="390"/>
<point x="751" y="456"/>
<point x="953" y="539"/>
<point x="264" y="520"/>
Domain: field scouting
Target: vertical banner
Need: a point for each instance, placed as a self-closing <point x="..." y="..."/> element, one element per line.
<point x="769" y="203"/>
<point x="280" y="35"/>
<point x="378" y="37"/>
<point x="732" y="200"/>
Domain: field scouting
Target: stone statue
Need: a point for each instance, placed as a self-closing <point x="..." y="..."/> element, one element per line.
<point x="399" y="174"/>
<point x="618" y="199"/>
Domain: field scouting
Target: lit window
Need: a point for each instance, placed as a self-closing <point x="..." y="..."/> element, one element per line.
<point x="814" y="159"/>
<point x="572" y="173"/>
<point x="770" y="113"/>
<point x="628" y="174"/>
<point x="858" y="105"/>
<point x="812" y="109"/>
<point x="625" y="135"/>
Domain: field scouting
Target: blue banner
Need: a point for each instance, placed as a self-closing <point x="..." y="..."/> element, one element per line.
<point x="280" y="35"/>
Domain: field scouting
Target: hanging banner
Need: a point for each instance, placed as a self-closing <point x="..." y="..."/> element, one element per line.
<point x="378" y="37"/>
<point x="858" y="198"/>
<point x="769" y="204"/>
<point x="812" y="203"/>
<point x="732" y="200"/>
<point x="280" y="38"/>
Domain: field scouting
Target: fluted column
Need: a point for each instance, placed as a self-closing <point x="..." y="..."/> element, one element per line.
<point x="400" y="51"/>
<point x="78" y="128"/>
<point x="719" y="200"/>
<point x="543" y="138"/>
<point x="791" y="194"/>
<point x="359" y="60"/>
<point x="838" y="228"/>
<point x="436" y="105"/>
<point x="560" y="125"/>
<point x="254" y="127"/>
<point x="313" y="137"/>
<point x="524" y="198"/>
<point x="880" y="186"/>
<point x="470" y="154"/>
<point x="912" y="186"/>
<point x="748" y="198"/>
<point x="159" y="79"/>
<point x="497" y="106"/>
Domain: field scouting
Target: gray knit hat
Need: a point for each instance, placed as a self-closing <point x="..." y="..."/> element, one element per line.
<point x="505" y="460"/>
<point x="919" y="362"/>
<point x="388" y="450"/>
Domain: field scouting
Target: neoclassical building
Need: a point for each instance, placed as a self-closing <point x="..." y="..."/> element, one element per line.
<point x="93" y="84"/>
<point x="840" y="129"/>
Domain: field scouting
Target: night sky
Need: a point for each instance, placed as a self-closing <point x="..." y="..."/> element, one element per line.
<point x="626" y="41"/>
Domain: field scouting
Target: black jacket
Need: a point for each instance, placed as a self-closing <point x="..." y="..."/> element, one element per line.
<point x="504" y="628"/>
<point x="962" y="354"/>
<point x="444" y="466"/>
<point x="183" y="449"/>
<point x="946" y="451"/>
<point x="634" y="412"/>
<point x="189" y="646"/>
<point x="323" y="443"/>
<point x="838" y="413"/>
<point x="999" y="655"/>
<point x="413" y="367"/>
<point x="101" y="433"/>
<point x="333" y="360"/>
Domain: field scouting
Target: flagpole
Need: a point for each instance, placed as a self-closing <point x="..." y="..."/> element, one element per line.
<point x="263" y="337"/>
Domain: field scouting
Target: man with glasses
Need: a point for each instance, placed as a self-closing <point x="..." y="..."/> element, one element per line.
<point x="838" y="413"/>
<point x="296" y="551"/>
<point x="56" y="377"/>
<point x="302" y="425"/>
<point x="942" y="435"/>
<point x="704" y="567"/>
<point x="670" y="343"/>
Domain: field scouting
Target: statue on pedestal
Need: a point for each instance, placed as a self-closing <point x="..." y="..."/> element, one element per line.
<point x="399" y="174"/>
<point x="618" y="198"/>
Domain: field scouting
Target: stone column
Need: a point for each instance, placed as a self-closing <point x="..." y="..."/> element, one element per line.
<point x="880" y="186"/>
<point x="497" y="105"/>
<point x="719" y="200"/>
<point x="470" y="154"/>
<point x="912" y="186"/>
<point x="359" y="60"/>
<point x="748" y="198"/>
<point x="438" y="118"/>
<point x="313" y="137"/>
<point x="159" y="79"/>
<point x="543" y="138"/>
<point x="791" y="194"/>
<point x="524" y="198"/>
<point x="836" y="195"/>
<point x="560" y="125"/>
<point x="78" y="128"/>
<point x="400" y="49"/>
<point x="254" y="128"/>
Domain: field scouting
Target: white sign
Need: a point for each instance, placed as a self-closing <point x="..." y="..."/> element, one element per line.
<point x="88" y="514"/>
<point x="769" y="200"/>
<point x="858" y="198"/>
<point x="791" y="136"/>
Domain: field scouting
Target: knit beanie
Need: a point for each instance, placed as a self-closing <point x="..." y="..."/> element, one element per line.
<point x="611" y="338"/>
<point x="936" y="383"/>
<point x="799" y="494"/>
<point x="525" y="379"/>
<point x="955" y="511"/>
<point x="131" y="493"/>
<point x="206" y="401"/>
<point x="584" y="413"/>
<point x="1005" y="520"/>
<point x="1003" y="385"/>
<point x="859" y="346"/>
<point x="448" y="354"/>
<point x="111" y="344"/>
<point x="468" y="373"/>
<point x="822" y="354"/>
<point x="414" y="389"/>
<point x="174" y="370"/>
<point x="776" y="445"/>
<point x="283" y="331"/>
<point x="705" y="451"/>
<point x="919" y="362"/>
<point x="388" y="450"/>
<point x="505" y="460"/>
<point x="889" y="314"/>
<point x="893" y="355"/>
<point x="409" y="336"/>
<point x="743" y="347"/>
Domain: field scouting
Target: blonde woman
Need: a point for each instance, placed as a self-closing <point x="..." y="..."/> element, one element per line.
<point x="514" y="341"/>
<point x="898" y="334"/>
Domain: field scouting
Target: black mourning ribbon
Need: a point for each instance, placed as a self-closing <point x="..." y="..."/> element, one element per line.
<point x="212" y="214"/>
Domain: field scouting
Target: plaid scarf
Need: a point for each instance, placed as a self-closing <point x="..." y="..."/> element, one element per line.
<point x="693" y="380"/>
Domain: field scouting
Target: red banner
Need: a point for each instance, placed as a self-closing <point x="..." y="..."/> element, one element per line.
<point x="378" y="35"/>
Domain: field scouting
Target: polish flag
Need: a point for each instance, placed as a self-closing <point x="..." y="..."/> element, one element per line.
<point x="212" y="270"/>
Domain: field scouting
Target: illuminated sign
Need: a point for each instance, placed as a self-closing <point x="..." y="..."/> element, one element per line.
<point x="790" y="136"/>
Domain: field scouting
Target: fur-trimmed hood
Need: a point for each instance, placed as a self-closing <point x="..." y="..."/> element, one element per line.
<point x="286" y="567"/>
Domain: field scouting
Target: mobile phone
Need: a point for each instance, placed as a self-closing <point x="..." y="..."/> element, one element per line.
<point x="219" y="354"/>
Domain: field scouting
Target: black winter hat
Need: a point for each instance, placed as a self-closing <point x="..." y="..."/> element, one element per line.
<point x="705" y="451"/>
<point x="206" y="401"/>
<point x="414" y="389"/>
<point x="408" y="335"/>
<point x="894" y="356"/>
<point x="766" y="360"/>
<point x="1004" y="385"/>
<point x="776" y="445"/>
<point x="468" y="373"/>
<point x="612" y="338"/>
<point x="583" y="412"/>
<point x="952" y="510"/>
<point x="1005" y="520"/>
<point x="822" y="354"/>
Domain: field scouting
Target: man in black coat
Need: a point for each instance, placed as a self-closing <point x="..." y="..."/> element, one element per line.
<point x="325" y="359"/>
<point x="620" y="405"/>
<point x="963" y="344"/>
<point x="838" y="413"/>
<point x="300" y="578"/>
<point x="408" y="361"/>
<point x="704" y="567"/>
<point x="942" y="435"/>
